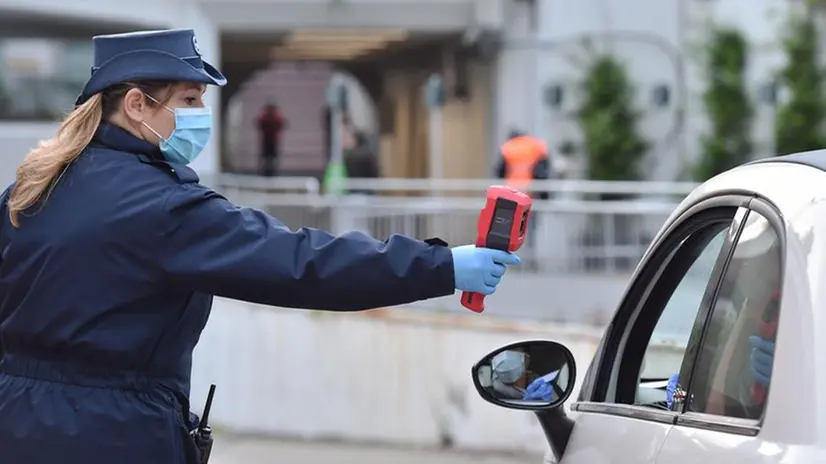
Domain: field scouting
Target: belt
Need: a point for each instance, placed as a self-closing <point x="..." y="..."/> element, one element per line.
<point x="78" y="373"/>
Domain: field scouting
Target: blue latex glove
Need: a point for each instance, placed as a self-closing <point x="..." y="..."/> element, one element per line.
<point x="540" y="390"/>
<point x="479" y="270"/>
<point x="671" y="388"/>
<point x="762" y="356"/>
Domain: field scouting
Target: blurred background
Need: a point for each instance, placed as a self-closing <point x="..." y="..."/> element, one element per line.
<point x="388" y="116"/>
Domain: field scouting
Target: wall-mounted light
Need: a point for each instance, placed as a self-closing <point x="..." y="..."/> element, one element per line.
<point x="435" y="91"/>
<point x="567" y="148"/>
<point x="767" y="93"/>
<point x="337" y="94"/>
<point x="661" y="96"/>
<point x="554" y="96"/>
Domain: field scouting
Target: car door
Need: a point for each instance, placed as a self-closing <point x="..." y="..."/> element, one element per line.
<point x="724" y="402"/>
<point x="622" y="414"/>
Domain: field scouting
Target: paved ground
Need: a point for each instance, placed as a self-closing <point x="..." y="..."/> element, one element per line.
<point x="254" y="451"/>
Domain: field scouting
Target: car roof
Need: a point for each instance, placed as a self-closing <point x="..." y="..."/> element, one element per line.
<point x="814" y="158"/>
<point x="770" y="178"/>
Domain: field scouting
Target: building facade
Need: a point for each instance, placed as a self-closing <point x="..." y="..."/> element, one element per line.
<point x="506" y="64"/>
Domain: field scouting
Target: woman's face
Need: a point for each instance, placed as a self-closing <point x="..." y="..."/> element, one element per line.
<point x="153" y="119"/>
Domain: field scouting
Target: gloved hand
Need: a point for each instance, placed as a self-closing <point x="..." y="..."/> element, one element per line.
<point x="479" y="270"/>
<point x="671" y="389"/>
<point x="540" y="390"/>
<point x="762" y="356"/>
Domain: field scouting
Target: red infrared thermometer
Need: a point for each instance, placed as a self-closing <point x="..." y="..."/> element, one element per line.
<point x="503" y="225"/>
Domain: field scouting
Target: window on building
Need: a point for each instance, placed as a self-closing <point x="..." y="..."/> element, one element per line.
<point x="40" y="78"/>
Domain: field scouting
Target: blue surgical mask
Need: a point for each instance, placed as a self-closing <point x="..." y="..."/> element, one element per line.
<point x="193" y="128"/>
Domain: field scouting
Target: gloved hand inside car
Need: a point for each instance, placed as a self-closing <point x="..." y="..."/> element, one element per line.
<point x="542" y="388"/>
<point x="672" y="389"/>
<point x="761" y="358"/>
<point x="479" y="270"/>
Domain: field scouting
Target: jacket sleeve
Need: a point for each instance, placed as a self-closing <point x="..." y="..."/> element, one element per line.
<point x="216" y="247"/>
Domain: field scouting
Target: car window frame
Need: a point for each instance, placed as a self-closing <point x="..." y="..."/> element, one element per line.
<point x="715" y="422"/>
<point x="694" y="218"/>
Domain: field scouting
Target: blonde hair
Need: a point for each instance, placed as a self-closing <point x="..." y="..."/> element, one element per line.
<point x="43" y="167"/>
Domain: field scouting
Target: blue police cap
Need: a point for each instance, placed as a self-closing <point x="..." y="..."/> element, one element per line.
<point x="170" y="55"/>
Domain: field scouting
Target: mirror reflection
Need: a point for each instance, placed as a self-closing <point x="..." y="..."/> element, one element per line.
<point x="532" y="373"/>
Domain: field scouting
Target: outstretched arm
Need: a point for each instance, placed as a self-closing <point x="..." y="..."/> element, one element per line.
<point x="214" y="246"/>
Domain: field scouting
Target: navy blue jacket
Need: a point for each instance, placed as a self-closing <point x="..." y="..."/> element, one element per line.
<point x="106" y="287"/>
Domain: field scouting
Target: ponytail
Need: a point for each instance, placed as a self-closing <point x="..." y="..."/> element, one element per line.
<point x="42" y="168"/>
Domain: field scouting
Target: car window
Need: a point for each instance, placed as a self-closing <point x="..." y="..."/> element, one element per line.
<point x="733" y="367"/>
<point x="667" y="346"/>
<point x="653" y="333"/>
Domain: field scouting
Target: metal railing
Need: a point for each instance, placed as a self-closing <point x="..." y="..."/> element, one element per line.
<point x="247" y="183"/>
<point x="566" y="186"/>
<point x="567" y="234"/>
<point x="437" y="187"/>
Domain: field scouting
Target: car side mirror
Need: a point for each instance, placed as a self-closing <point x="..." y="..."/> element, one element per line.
<point x="531" y="375"/>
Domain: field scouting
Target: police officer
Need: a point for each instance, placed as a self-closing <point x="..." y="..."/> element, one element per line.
<point x="512" y="370"/>
<point x="111" y="252"/>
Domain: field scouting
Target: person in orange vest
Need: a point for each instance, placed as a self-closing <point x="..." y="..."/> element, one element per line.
<point x="523" y="158"/>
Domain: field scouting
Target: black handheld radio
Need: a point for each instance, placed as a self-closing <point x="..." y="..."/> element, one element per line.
<point x="203" y="434"/>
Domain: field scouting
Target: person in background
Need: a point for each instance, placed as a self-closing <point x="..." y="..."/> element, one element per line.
<point x="326" y="128"/>
<point x="523" y="159"/>
<point x="360" y="160"/>
<point x="346" y="131"/>
<point x="271" y="124"/>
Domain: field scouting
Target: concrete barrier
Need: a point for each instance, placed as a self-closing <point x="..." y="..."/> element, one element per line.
<point x="391" y="376"/>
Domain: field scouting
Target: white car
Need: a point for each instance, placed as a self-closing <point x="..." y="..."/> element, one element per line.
<point x="741" y="382"/>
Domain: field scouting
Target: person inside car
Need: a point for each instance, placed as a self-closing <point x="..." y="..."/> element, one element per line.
<point x="544" y="388"/>
<point x="508" y="374"/>
<point x="761" y="359"/>
<point x="512" y="370"/>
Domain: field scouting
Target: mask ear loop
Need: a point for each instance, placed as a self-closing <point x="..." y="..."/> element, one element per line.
<point x="153" y="131"/>
<point x="159" y="103"/>
<point x="160" y="137"/>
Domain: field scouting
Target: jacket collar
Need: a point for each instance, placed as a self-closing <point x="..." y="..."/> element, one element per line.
<point x="115" y="138"/>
